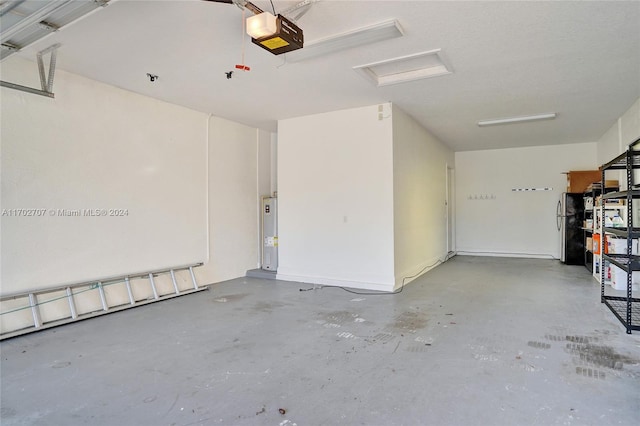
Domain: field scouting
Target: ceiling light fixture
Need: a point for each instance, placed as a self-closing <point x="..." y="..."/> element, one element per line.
<point x="522" y="119"/>
<point x="404" y="68"/>
<point x="367" y="35"/>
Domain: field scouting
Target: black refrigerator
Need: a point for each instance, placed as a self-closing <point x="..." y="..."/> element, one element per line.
<point x="570" y="216"/>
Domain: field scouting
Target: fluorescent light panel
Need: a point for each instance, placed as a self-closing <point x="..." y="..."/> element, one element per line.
<point x="404" y="68"/>
<point x="367" y="35"/>
<point x="522" y="119"/>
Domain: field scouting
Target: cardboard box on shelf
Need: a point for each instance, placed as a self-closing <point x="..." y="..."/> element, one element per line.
<point x="596" y="244"/>
<point x="619" y="245"/>
<point x="610" y="203"/>
<point x="608" y="184"/>
<point x="579" y="180"/>
<point x="619" y="279"/>
<point x="590" y="244"/>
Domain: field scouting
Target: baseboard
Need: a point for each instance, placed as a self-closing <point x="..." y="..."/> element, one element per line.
<point x="336" y="283"/>
<point x="506" y="254"/>
<point x="417" y="271"/>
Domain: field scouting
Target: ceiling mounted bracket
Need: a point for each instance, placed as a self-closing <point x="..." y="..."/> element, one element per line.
<point x="46" y="78"/>
<point x="47" y="82"/>
<point x="24" y="22"/>
<point x="300" y="10"/>
<point x="244" y="4"/>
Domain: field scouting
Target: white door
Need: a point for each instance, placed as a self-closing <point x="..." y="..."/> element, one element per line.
<point x="450" y="209"/>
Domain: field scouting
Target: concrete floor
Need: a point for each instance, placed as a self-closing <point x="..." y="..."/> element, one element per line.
<point x="476" y="341"/>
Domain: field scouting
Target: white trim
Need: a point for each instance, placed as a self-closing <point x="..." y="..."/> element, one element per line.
<point x="259" y="200"/>
<point x="506" y="254"/>
<point x="336" y="283"/>
<point x="418" y="270"/>
<point x="450" y="190"/>
<point x="208" y="210"/>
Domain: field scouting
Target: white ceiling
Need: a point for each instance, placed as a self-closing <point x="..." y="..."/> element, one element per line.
<point x="578" y="59"/>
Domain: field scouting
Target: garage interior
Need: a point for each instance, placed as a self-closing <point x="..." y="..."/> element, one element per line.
<point x="414" y="154"/>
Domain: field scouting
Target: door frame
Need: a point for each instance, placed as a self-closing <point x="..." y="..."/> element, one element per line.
<point x="450" y="208"/>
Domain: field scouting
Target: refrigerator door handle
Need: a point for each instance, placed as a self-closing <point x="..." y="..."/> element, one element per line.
<point x="559" y="215"/>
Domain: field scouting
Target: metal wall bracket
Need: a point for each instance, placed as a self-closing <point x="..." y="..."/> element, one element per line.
<point x="46" y="78"/>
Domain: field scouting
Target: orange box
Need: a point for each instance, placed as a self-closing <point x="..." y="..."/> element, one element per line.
<point x="596" y="244"/>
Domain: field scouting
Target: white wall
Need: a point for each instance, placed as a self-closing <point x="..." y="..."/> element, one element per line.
<point x="419" y="175"/>
<point x="265" y="156"/>
<point x="335" y="199"/>
<point x="97" y="147"/>
<point x="625" y="130"/>
<point x="238" y="173"/>
<point x="514" y="223"/>
<point x="630" y="125"/>
<point x="274" y="163"/>
<point x="609" y="145"/>
<point x="615" y="141"/>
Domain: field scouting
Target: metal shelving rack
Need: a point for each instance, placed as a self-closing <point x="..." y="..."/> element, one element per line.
<point x="588" y="231"/>
<point x="592" y="258"/>
<point x="625" y="308"/>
